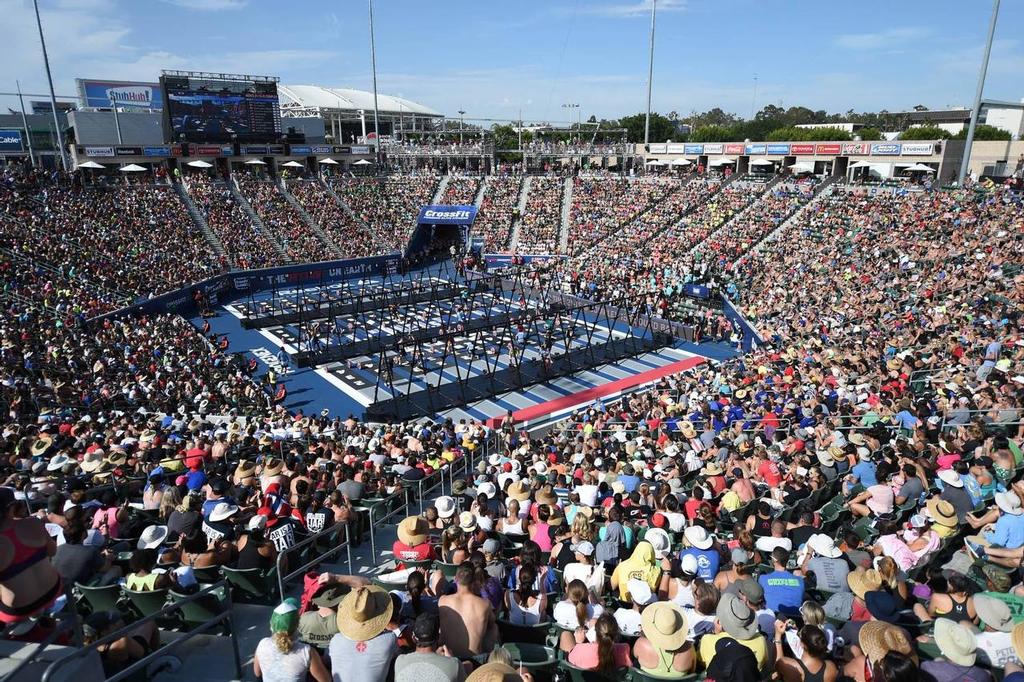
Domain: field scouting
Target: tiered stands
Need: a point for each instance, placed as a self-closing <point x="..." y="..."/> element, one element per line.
<point x="281" y="218"/>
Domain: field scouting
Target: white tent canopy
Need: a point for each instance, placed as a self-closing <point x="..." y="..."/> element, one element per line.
<point x="761" y="162"/>
<point x="681" y="162"/>
<point x="199" y="163"/>
<point x="919" y="168"/>
<point x="132" y="168"/>
<point x="293" y="164"/>
<point x="90" y="164"/>
<point x="860" y="164"/>
<point x="655" y="162"/>
<point x="802" y="167"/>
<point x="362" y="162"/>
<point x="255" y="162"/>
<point x="329" y="161"/>
<point x="724" y="161"/>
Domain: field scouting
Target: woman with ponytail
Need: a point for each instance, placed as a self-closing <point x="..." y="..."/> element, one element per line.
<point x="574" y="612"/>
<point x="282" y="658"/>
<point x="525" y="605"/>
<point x="605" y="654"/>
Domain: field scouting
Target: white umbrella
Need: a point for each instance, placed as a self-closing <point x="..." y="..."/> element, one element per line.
<point x="199" y="163"/>
<point x="724" y="161"/>
<point x="860" y="164"/>
<point x="329" y="161"/>
<point x="362" y="162"/>
<point x="255" y="162"/>
<point x="293" y="164"/>
<point x="761" y="162"/>
<point x="681" y="162"/>
<point x="90" y="164"/>
<point x="655" y="162"/>
<point x="919" y="168"/>
<point x="132" y="168"/>
<point x="803" y="167"/>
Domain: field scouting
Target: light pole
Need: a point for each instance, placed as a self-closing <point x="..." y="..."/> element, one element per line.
<point x="53" y="98"/>
<point x="650" y="76"/>
<point x="462" y="124"/>
<point x="373" y="62"/>
<point x="977" y="97"/>
<point x="570" y="106"/>
<point x="24" y="123"/>
<point x="753" y="100"/>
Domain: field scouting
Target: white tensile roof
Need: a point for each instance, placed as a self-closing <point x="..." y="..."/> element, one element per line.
<point x="346" y="99"/>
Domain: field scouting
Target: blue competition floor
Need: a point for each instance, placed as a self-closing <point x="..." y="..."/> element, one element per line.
<point x="349" y="386"/>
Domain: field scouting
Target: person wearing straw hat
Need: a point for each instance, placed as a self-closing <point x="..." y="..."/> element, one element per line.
<point x="363" y="649"/>
<point x="883" y="647"/>
<point x="664" y="649"/>
<point x="281" y="657"/>
<point x="736" y="620"/>
<point x="959" y="648"/>
<point x="413" y="540"/>
<point x="943" y="515"/>
<point x="995" y="641"/>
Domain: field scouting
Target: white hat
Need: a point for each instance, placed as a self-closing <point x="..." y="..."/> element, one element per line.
<point x="660" y="540"/>
<point x="950" y="477"/>
<point x="540" y="467"/>
<point x="488" y="489"/>
<point x="222" y="511"/>
<point x="445" y="506"/>
<point x="698" y="537"/>
<point x="57" y="462"/>
<point x="258" y="522"/>
<point x="688" y="564"/>
<point x="1009" y="503"/>
<point x="467" y="522"/>
<point x="585" y="548"/>
<point x="956" y="642"/>
<point x="824" y="545"/>
<point x="152" y="537"/>
<point x="639" y="591"/>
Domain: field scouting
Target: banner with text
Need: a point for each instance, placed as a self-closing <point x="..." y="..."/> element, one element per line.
<point x="918" y="148"/>
<point x="732" y="148"/>
<point x="11" y="141"/>
<point x="714" y="148"/>
<point x="438" y="214"/>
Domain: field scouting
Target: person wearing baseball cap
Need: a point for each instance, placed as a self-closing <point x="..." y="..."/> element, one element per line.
<point x="431" y="660"/>
<point x="281" y="656"/>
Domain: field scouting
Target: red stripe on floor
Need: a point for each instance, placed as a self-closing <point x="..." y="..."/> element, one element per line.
<point x="591" y="394"/>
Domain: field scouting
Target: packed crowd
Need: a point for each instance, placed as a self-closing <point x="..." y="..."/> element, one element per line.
<point x="498" y="210"/>
<point x="352" y="239"/>
<point x="541" y="223"/>
<point x="461" y="190"/>
<point x="388" y="206"/>
<point x="297" y="238"/>
<point x="244" y="242"/>
<point x="601" y="206"/>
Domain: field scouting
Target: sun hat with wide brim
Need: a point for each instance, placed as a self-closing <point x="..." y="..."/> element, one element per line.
<point x="660" y="540"/>
<point x="737" y="618"/>
<point x="1017" y="638"/>
<point x="664" y="624"/>
<point x="467" y="522"/>
<point x="698" y="537"/>
<point x="519" y="492"/>
<point x="40" y="446"/>
<point x="957" y="643"/>
<point x="364" y="613"/>
<point x="942" y="512"/>
<point x="1009" y="503"/>
<point x="877" y="638"/>
<point x="329" y="596"/>
<point x="245" y="469"/>
<point x="413" y="530"/>
<point x="273" y="467"/>
<point x="445" y="506"/>
<point x="223" y="510"/>
<point x="951" y="478"/>
<point x="92" y="461"/>
<point x="152" y="537"/>
<point x="686" y="428"/>
<point x="494" y="672"/>
<point x="546" y="495"/>
<point x="712" y="469"/>
<point x="995" y="613"/>
<point x="862" y="582"/>
<point x="58" y="462"/>
<point x="824" y="545"/>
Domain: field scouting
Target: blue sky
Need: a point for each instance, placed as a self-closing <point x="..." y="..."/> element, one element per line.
<point x="491" y="57"/>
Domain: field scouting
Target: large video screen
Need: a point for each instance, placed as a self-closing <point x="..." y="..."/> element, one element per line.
<point x="206" y="110"/>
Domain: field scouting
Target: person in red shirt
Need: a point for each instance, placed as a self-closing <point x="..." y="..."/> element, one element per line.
<point x="769" y="471"/>
<point x="412" y="544"/>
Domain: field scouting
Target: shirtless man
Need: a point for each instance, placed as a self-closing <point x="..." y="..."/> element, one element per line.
<point x="468" y="627"/>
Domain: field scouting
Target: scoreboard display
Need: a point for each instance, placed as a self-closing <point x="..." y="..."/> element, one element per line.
<point x="215" y="110"/>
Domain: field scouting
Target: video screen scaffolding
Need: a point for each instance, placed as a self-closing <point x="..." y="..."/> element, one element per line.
<point x="216" y="107"/>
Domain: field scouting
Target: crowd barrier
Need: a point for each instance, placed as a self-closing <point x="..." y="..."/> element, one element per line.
<point x="283" y="579"/>
<point x="388" y="504"/>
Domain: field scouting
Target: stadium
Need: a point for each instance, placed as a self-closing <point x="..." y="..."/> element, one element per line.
<point x="313" y="382"/>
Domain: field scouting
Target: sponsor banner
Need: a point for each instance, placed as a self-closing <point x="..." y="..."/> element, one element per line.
<point x="300" y="149"/>
<point x="211" y="150"/>
<point x="885" y="149"/>
<point x="828" y="148"/>
<point x="918" y="148"/>
<point x="856" y="148"/>
<point x="320" y="149"/>
<point x="658" y="148"/>
<point x="341" y="150"/>
<point x="714" y="148"/>
<point x="260" y="149"/>
<point x="123" y="94"/>
<point x="359" y="150"/>
<point x="677" y="149"/>
<point x="437" y="214"/>
<point x="778" y="149"/>
<point x="276" y="150"/>
<point x="693" y="149"/>
<point x="11" y="141"/>
<point x="755" y="149"/>
<point x="176" y="150"/>
<point x="156" y="151"/>
<point x="99" y="151"/>
<point x="736" y="148"/>
<point x="128" y="151"/>
<point x="697" y="290"/>
<point x="797" y="149"/>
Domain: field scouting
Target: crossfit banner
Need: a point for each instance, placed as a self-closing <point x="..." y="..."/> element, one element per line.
<point x="438" y="214"/>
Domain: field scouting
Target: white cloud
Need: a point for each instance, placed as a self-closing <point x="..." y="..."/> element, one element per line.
<point x="640" y="8"/>
<point x="889" y="38"/>
<point x="209" y="5"/>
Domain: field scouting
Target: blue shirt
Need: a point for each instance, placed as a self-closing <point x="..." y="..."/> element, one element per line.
<point x="864" y="473"/>
<point x="782" y="588"/>
<point x="195" y="479"/>
<point x="1008" y="532"/>
<point x="707" y="562"/>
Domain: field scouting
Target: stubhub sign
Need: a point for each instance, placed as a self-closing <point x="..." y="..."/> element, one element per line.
<point x="447" y="215"/>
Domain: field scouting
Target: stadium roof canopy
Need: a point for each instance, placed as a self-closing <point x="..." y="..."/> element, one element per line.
<point x="330" y="100"/>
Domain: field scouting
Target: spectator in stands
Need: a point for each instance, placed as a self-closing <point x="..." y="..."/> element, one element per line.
<point x="430" y="660"/>
<point x="468" y="625"/>
<point x="281" y="657"/>
<point x="363" y="649"/>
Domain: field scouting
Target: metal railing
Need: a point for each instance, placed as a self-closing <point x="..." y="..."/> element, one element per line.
<point x="386" y="502"/>
<point x="283" y="578"/>
<point x="142" y="663"/>
<point x="63" y="626"/>
<point x="434" y="481"/>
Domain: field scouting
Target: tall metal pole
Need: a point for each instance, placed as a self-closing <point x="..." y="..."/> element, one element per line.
<point x="650" y="77"/>
<point x="977" y="97"/>
<point x="117" y="122"/>
<point x="753" y="100"/>
<point x="373" y="63"/>
<point x="53" y="98"/>
<point x="24" y="123"/>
